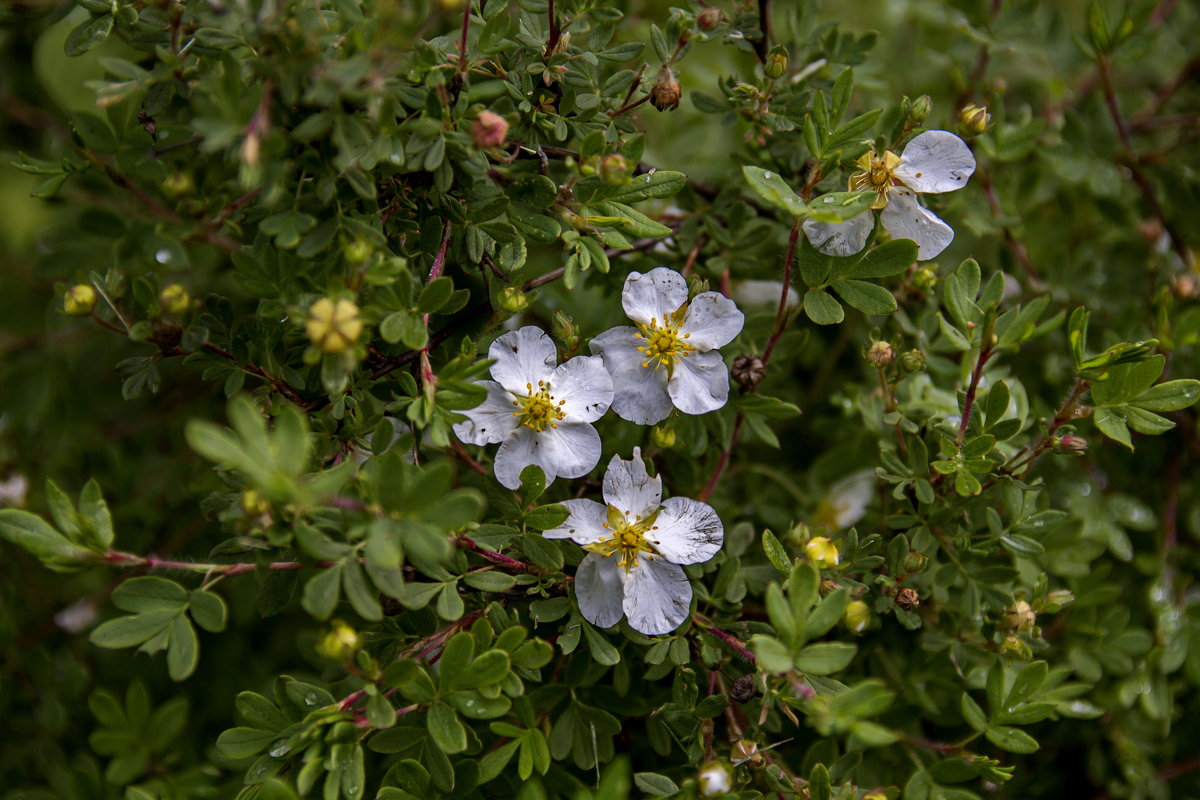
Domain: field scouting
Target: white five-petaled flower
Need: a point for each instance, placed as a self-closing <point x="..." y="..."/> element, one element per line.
<point x="539" y="413"/>
<point x="932" y="163"/>
<point x="636" y="542"/>
<point x="670" y="359"/>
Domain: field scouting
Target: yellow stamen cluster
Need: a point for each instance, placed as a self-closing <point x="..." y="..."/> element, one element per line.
<point x="665" y="346"/>
<point x="876" y="174"/>
<point x="629" y="537"/>
<point x="538" y="409"/>
<point x="333" y="327"/>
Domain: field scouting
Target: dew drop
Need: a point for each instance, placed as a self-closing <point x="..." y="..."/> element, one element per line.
<point x="310" y="699"/>
<point x="830" y="199"/>
<point x="162" y="255"/>
<point x="280" y="749"/>
<point x="768" y="175"/>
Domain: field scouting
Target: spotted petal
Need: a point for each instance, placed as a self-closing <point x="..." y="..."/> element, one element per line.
<point x="584" y="388"/>
<point x="905" y="218"/>
<point x="523" y="357"/>
<point x="640" y="393"/>
<point x="584" y="524"/>
<point x="935" y="162"/>
<point x="699" y="383"/>
<point x="840" y="238"/>
<point x="658" y="595"/>
<point x="712" y="321"/>
<point x="570" y="450"/>
<point x="630" y="489"/>
<point x="687" y="531"/>
<point x="599" y="590"/>
<point x="490" y="421"/>
<point x="654" y="295"/>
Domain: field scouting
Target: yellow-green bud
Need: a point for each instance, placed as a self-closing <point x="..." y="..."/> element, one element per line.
<point x="912" y="361"/>
<point x="563" y="329"/>
<point x="663" y="436"/>
<point x="79" y="300"/>
<point x="512" y="299"/>
<point x="357" y="250"/>
<point x="1018" y="617"/>
<point x="253" y="503"/>
<point x="1056" y="600"/>
<point x="880" y="354"/>
<point x="974" y="120"/>
<point x="615" y="169"/>
<point x="925" y="278"/>
<point x="177" y="184"/>
<point x="174" y="298"/>
<point x="857" y="616"/>
<point x="776" y="65"/>
<point x="822" y="552"/>
<point x="914" y="562"/>
<point x="1015" y="647"/>
<point x="339" y="643"/>
<point x="333" y="327"/>
<point x="918" y="110"/>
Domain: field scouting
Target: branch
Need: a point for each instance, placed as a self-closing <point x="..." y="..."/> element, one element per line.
<point x="729" y="639"/>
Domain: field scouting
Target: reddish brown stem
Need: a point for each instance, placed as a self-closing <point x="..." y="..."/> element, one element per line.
<point x="729" y="639"/>
<point x="499" y="559"/>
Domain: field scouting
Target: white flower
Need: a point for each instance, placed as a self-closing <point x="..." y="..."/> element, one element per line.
<point x="636" y="542"/>
<point x="846" y="501"/>
<point x="539" y="413"/>
<point x="932" y="163"/>
<point x="670" y="359"/>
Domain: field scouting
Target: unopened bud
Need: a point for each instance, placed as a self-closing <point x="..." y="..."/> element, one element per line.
<point x="340" y="643"/>
<point x="1018" y="617"/>
<point x="1015" y="647"/>
<point x="875" y="794"/>
<point x="908" y="599"/>
<point x="489" y="129"/>
<point x="748" y="370"/>
<point x="822" y="552"/>
<point x="914" y="562"/>
<point x="857" y="616"/>
<point x="925" y="278"/>
<point x="564" y="330"/>
<point x="974" y="120"/>
<point x="615" y="169"/>
<point x="880" y="354"/>
<point x="79" y="300"/>
<point x="918" y="110"/>
<point x="1071" y="445"/>
<point x="253" y="503"/>
<point x="663" y="436"/>
<point x="174" y="298"/>
<point x="177" y="184"/>
<point x="912" y="361"/>
<point x="1055" y="601"/>
<point x="357" y="250"/>
<point x="333" y="327"/>
<point x="666" y="92"/>
<point x="745" y="750"/>
<point x="776" y="65"/>
<point x="708" y="19"/>
<point x="512" y="299"/>
<point x="715" y="779"/>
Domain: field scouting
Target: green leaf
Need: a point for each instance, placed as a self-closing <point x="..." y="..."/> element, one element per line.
<point x="493" y="763"/>
<point x="132" y="630"/>
<point x="776" y="553"/>
<point x="321" y="593"/>
<point x="358" y="592"/>
<point x="1126" y="382"/>
<point x="841" y="206"/>
<point x="406" y="327"/>
<point x="1027" y="683"/>
<point x="866" y="297"/>
<point x="446" y="729"/>
<point x="654" y="784"/>
<point x="972" y="713"/>
<point x="35" y="535"/>
<point x="773" y="655"/>
<point x="184" y="651"/>
<point x="890" y="258"/>
<point x="238" y="743"/>
<point x="88" y="34"/>
<point x="825" y="658"/>
<point x="660" y="183"/>
<point x="95" y="511"/>
<point x="435" y="295"/>
<point x="1168" y="396"/>
<point x="150" y="593"/>
<point x="821" y="308"/>
<point x="599" y="646"/>
<point x="259" y="712"/>
<point x="489" y="668"/>
<point x="827" y="613"/>
<point x="1013" y="740"/>
<point x="489" y="580"/>
<point x="287" y="227"/>
<point x="1146" y="422"/>
<point x="779" y="611"/>
<point x="1112" y="424"/>
<point x="209" y="610"/>
<point x="774" y="190"/>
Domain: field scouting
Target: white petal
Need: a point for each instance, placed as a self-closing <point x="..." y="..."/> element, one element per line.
<point x="640" y="393"/>
<point x="658" y="595"/>
<point x="584" y="524"/>
<point x="699" y="383"/>
<point x="523" y="357"/>
<point x="687" y="531"/>
<point x="516" y="453"/>
<point x="654" y="295"/>
<point x="585" y="387"/>
<point x="840" y="238"/>
<point x="570" y="450"/>
<point x="848" y="498"/>
<point x="935" y="162"/>
<point x="905" y="218"/>
<point x="712" y="321"/>
<point x="490" y="421"/>
<point x="599" y="590"/>
<point x="630" y="489"/>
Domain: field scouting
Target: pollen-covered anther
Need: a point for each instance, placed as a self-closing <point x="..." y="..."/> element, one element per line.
<point x="539" y="410"/>
<point x="877" y="174"/>
<point x="665" y="345"/>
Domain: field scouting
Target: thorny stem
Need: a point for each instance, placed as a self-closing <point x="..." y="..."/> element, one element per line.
<point x="499" y="559"/>
<point x="732" y="641"/>
<point x="1065" y="413"/>
<point x="120" y="559"/>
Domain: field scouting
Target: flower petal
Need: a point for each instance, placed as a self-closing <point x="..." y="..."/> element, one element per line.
<point x="905" y="218"/>
<point x="523" y="357"/>
<point x="658" y="595"/>
<point x="699" y="383"/>
<point x="584" y="388"/>
<point x="935" y="162"/>
<point x="712" y="321"/>
<point x="570" y="450"/>
<point x="840" y="238"/>
<point x="687" y="531"/>
<point x="629" y="488"/>
<point x="654" y="295"/>
<point x="599" y="590"/>
<point x="640" y="393"/>
<point x="517" y="452"/>
<point x="584" y="524"/>
<point x="490" y="421"/>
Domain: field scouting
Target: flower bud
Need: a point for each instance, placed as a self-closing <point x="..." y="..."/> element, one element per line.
<point x="666" y="92"/>
<point x="79" y="300"/>
<point x="776" y="65"/>
<point x="177" y="184"/>
<point x="925" y="278"/>
<point x="615" y="169"/>
<point x="1014" y="647"/>
<point x="663" y="436"/>
<point x="914" y="562"/>
<point x="912" y="361"/>
<point x="489" y="129"/>
<point x="918" y="110"/>
<point x="708" y="19"/>
<point x="1071" y="445"/>
<point x="1056" y="600"/>
<point x="974" y="120"/>
<point x="857" y="616"/>
<point x="357" y="250"/>
<point x="1018" y="617"/>
<point x="512" y="299"/>
<point x="333" y="327"/>
<point x="880" y="354"/>
<point x="748" y="370"/>
<point x="908" y="599"/>
<point x="174" y="298"/>
<point x="875" y="794"/>
<point x="562" y="327"/>
<point x="822" y="552"/>
<point x="715" y="779"/>
<point x="253" y="503"/>
<point x="340" y="643"/>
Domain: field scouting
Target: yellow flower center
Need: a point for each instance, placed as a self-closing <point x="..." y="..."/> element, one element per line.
<point x="876" y="174"/>
<point x="665" y="346"/>
<point x="629" y="537"/>
<point x="538" y="409"/>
